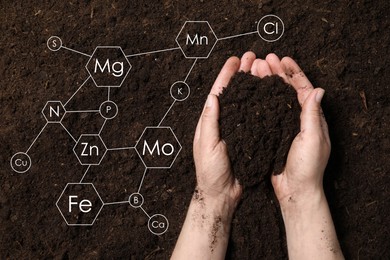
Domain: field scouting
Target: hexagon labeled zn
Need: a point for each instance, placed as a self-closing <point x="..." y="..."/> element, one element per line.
<point x="53" y="111"/>
<point x="90" y="149"/>
<point x="79" y="204"/>
<point x="108" y="66"/>
<point x="196" y="39"/>
<point x="158" y="147"/>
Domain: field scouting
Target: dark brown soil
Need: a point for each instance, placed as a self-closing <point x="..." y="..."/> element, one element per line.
<point x="259" y="120"/>
<point x="343" y="47"/>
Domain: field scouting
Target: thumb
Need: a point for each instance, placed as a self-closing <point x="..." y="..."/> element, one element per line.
<point x="209" y="132"/>
<point x="311" y="111"/>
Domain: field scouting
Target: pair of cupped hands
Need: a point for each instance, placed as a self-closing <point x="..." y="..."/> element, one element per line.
<point x="309" y="153"/>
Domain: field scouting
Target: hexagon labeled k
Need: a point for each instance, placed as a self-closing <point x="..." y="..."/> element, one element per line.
<point x="108" y="66"/>
<point x="90" y="149"/>
<point x="158" y="147"/>
<point x="196" y="39"/>
<point x="79" y="204"/>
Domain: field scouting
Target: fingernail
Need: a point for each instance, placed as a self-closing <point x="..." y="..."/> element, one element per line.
<point x="319" y="95"/>
<point x="209" y="102"/>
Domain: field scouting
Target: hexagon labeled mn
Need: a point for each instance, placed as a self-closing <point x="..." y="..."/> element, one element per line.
<point x="79" y="204"/>
<point x="53" y="111"/>
<point x="196" y="39"/>
<point x="108" y="66"/>
<point x="90" y="149"/>
<point x="158" y="147"/>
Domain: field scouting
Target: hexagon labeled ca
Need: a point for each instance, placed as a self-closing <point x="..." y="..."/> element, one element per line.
<point x="90" y="149"/>
<point x="158" y="147"/>
<point x="79" y="204"/>
<point x="196" y="39"/>
<point x="108" y="66"/>
<point x="53" y="111"/>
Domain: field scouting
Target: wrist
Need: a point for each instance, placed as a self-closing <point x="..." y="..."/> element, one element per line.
<point x="221" y="204"/>
<point x="301" y="206"/>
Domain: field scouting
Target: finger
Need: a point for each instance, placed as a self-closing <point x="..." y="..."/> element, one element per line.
<point x="246" y="61"/>
<point x="263" y="69"/>
<point x="209" y="127"/>
<point x="227" y="72"/>
<point x="254" y="68"/>
<point x="276" y="67"/>
<point x="311" y="115"/>
<point x="297" y="79"/>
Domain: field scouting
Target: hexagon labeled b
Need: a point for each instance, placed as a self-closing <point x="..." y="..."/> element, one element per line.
<point x="79" y="204"/>
<point x="196" y="39"/>
<point x="108" y="66"/>
<point x="90" y="149"/>
<point x="158" y="147"/>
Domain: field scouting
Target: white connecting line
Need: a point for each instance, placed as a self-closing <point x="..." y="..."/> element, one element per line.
<point x="40" y="132"/>
<point x="85" y="81"/>
<point x="85" y="173"/>
<point x="236" y="35"/>
<point x="150" y="52"/>
<point x="174" y="101"/>
<point x="142" y="180"/>
<point x="79" y="52"/>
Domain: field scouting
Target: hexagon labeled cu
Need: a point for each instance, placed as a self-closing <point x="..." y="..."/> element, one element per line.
<point x="196" y="39"/>
<point x="90" y="149"/>
<point x="158" y="147"/>
<point x="108" y="66"/>
<point x="79" y="204"/>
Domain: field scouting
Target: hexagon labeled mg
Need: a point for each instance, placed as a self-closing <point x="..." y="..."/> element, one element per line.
<point x="158" y="147"/>
<point x="90" y="149"/>
<point x="196" y="39"/>
<point x="79" y="204"/>
<point x="108" y="66"/>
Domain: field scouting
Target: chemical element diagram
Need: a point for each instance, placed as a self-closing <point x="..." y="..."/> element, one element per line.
<point x="157" y="147"/>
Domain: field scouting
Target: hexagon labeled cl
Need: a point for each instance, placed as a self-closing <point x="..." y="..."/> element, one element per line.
<point x="196" y="39"/>
<point x="90" y="149"/>
<point x="158" y="147"/>
<point x="108" y="66"/>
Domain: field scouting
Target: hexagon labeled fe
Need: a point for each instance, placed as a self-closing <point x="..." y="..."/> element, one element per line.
<point x="79" y="204"/>
<point x="158" y="147"/>
<point x="108" y="66"/>
<point x="196" y="39"/>
<point x="90" y="149"/>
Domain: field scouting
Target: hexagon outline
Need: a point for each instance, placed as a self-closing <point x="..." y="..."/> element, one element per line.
<point x="104" y="154"/>
<point x="108" y="47"/>
<point x="216" y="39"/>
<point x="43" y="109"/>
<point x="79" y="183"/>
<point x="158" y="167"/>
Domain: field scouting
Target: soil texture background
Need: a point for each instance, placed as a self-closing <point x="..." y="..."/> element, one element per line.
<point x="343" y="47"/>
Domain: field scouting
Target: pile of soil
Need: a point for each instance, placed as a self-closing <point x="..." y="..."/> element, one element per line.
<point x="259" y="120"/>
<point x="341" y="46"/>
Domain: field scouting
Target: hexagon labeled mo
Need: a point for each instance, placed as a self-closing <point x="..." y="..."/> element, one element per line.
<point x="196" y="39"/>
<point x="90" y="149"/>
<point x="108" y="66"/>
<point x="158" y="147"/>
<point x="79" y="204"/>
